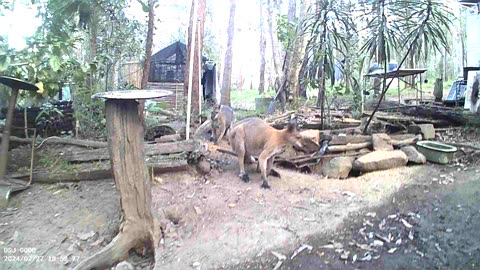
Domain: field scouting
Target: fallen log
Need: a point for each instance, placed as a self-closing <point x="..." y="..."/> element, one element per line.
<point x="97" y="171"/>
<point x="346" y="139"/>
<point x="84" y="143"/>
<point x="58" y="140"/>
<point x="407" y="141"/>
<point x="169" y="138"/>
<point x="348" y="147"/>
<point x="462" y="145"/>
<point x="202" y="129"/>
<point x="441" y="113"/>
<point x="150" y="150"/>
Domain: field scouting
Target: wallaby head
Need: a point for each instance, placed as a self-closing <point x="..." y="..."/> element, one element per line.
<point x="292" y="135"/>
<point x="215" y="111"/>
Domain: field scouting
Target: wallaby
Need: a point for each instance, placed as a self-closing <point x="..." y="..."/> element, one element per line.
<point x="254" y="137"/>
<point x="222" y="119"/>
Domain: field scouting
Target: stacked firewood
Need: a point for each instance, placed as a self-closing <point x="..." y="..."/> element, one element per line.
<point x="51" y="119"/>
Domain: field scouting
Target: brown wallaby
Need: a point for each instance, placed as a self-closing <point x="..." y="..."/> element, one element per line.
<point x="254" y="137"/>
<point x="222" y="119"/>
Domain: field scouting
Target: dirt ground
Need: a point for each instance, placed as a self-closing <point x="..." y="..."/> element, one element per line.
<point x="223" y="223"/>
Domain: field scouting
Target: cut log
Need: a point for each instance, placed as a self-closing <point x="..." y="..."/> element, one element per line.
<point x="342" y="140"/>
<point x="98" y="171"/>
<point x="169" y="138"/>
<point x="440" y="113"/>
<point x="150" y="150"/>
<point x="406" y="141"/>
<point x="348" y="147"/>
<point x="58" y="140"/>
<point x="201" y="131"/>
<point x="84" y="143"/>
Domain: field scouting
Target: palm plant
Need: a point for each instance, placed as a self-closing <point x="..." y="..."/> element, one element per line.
<point x="330" y="27"/>
<point x="391" y="28"/>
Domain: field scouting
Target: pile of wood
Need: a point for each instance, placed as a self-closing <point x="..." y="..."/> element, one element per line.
<point x="92" y="164"/>
<point x="387" y="143"/>
<point x="339" y="146"/>
<point x="446" y="115"/>
<point x="310" y="118"/>
<point x="46" y="119"/>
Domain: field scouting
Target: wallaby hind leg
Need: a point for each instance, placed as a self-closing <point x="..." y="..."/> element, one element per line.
<point x="238" y="146"/>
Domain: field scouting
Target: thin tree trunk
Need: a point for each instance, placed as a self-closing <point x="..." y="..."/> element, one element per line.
<point x="197" y="64"/>
<point x="297" y="52"/>
<point x="274" y="41"/>
<point x="302" y="88"/>
<point x="148" y="55"/>
<point x="445" y="63"/>
<point x="92" y="49"/>
<point x="149" y="43"/>
<point x="263" y="45"/>
<point x="227" y="73"/>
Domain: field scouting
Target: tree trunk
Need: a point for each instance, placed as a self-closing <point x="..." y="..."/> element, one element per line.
<point x="263" y="45"/>
<point x="227" y="71"/>
<point x="197" y="60"/>
<point x="445" y="63"/>
<point x="148" y="55"/>
<point x="92" y="49"/>
<point x="296" y="53"/>
<point x="272" y="26"/>
<point x="125" y="137"/>
<point x="302" y="88"/>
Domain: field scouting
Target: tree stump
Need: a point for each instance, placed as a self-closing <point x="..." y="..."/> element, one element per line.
<point x="127" y="155"/>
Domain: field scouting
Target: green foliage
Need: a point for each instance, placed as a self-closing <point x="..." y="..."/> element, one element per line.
<point x="90" y="113"/>
<point x="46" y="60"/>
<point x="286" y="30"/>
<point x="391" y="25"/>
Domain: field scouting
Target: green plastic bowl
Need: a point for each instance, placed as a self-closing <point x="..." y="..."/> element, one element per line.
<point x="436" y="152"/>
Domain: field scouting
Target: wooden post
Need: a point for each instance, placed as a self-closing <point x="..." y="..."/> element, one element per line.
<point x="200" y="90"/>
<point x="190" y="70"/>
<point x="398" y="89"/>
<point x="6" y="133"/>
<point x="127" y="155"/>
<point x="421" y="90"/>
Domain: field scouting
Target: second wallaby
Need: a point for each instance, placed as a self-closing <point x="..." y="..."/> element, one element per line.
<point x="222" y="119"/>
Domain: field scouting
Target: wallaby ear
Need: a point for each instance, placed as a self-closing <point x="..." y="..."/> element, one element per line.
<point x="292" y="125"/>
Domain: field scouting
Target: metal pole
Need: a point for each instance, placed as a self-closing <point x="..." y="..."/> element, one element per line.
<point x="6" y="134"/>
<point x="421" y="90"/>
<point x="190" y="70"/>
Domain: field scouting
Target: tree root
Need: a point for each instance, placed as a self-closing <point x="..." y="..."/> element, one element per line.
<point x="116" y="251"/>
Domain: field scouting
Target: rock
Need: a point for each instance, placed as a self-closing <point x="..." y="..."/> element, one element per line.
<point x="413" y="155"/>
<point x="381" y="142"/>
<point x="203" y="166"/>
<point x="86" y="236"/>
<point x="427" y="130"/>
<point x="380" y="160"/>
<point x="338" y="167"/>
<point x="311" y="134"/>
<point x="124" y="266"/>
